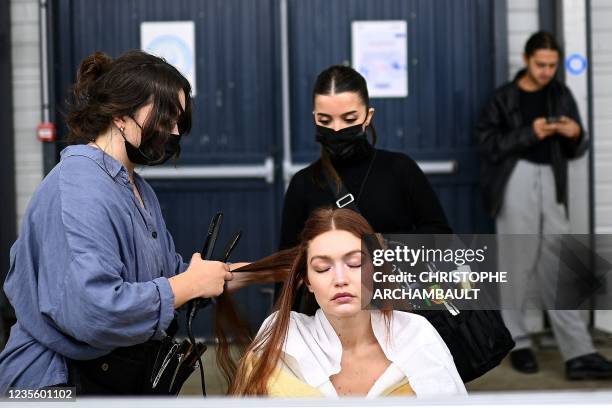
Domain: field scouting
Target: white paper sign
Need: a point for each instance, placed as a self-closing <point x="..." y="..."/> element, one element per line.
<point x="380" y="54"/>
<point x="175" y="42"/>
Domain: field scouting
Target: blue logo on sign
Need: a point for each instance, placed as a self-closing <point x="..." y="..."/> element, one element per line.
<point x="174" y="50"/>
<point x="575" y="64"/>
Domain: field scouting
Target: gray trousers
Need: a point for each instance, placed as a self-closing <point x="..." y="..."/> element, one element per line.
<point x="530" y="207"/>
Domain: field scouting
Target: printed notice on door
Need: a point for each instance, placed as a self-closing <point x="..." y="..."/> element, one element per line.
<point x="175" y="42"/>
<point x="380" y="54"/>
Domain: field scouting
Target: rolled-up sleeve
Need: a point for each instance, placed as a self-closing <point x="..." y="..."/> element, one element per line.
<point x="97" y="307"/>
<point x="166" y="306"/>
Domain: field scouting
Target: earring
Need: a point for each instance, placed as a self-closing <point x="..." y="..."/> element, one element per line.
<point x="121" y="129"/>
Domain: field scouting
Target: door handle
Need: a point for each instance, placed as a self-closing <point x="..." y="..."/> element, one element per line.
<point x="262" y="171"/>
<point x="432" y="167"/>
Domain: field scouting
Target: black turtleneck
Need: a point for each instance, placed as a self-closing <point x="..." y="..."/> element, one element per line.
<point x="396" y="197"/>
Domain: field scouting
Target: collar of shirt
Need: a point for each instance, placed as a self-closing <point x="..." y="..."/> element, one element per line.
<point x="314" y="336"/>
<point x="411" y="343"/>
<point x="106" y="162"/>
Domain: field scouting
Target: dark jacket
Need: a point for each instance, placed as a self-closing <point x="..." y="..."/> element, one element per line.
<point x="503" y="137"/>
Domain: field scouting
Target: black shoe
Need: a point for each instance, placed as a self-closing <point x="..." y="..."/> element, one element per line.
<point x="524" y="360"/>
<point x="590" y="366"/>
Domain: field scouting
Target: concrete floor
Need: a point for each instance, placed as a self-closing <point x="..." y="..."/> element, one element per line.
<point x="550" y="377"/>
<point x="552" y="370"/>
<point x="503" y="378"/>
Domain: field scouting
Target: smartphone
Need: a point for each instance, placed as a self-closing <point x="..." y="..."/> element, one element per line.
<point x="553" y="119"/>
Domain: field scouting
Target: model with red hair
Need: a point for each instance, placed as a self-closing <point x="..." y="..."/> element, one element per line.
<point x="343" y="349"/>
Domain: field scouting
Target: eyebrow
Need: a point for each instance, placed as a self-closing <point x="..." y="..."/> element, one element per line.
<point x="327" y="258"/>
<point x="344" y="114"/>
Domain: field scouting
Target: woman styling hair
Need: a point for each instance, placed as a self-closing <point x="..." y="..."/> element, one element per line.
<point x="94" y="276"/>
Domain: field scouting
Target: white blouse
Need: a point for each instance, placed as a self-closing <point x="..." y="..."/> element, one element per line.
<point x="312" y="352"/>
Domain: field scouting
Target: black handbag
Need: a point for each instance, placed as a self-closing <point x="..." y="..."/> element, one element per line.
<point x="477" y="339"/>
<point x="151" y="368"/>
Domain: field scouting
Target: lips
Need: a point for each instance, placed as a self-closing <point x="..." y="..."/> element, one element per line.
<point x="342" y="295"/>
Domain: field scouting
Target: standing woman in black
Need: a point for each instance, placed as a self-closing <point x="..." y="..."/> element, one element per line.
<point x="389" y="188"/>
<point x="393" y="195"/>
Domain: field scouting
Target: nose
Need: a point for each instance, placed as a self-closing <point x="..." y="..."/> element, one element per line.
<point x="336" y="126"/>
<point x="340" y="276"/>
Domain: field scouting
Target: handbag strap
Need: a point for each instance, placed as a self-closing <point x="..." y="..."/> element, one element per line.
<point x="344" y="199"/>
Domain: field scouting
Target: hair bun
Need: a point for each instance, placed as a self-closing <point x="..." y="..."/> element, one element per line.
<point x="90" y="70"/>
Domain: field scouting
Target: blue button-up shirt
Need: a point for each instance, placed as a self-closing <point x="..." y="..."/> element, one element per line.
<point x="89" y="271"/>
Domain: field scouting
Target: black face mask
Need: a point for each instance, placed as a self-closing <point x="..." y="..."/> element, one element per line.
<point x="172" y="148"/>
<point x="343" y="144"/>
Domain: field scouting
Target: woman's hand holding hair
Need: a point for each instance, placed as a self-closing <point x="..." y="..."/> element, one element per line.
<point x="202" y="279"/>
<point x="259" y="275"/>
<point x="241" y="279"/>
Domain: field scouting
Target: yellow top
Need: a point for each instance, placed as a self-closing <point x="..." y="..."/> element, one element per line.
<point x="283" y="384"/>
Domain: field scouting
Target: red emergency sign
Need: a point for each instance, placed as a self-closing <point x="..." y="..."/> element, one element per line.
<point x="46" y="132"/>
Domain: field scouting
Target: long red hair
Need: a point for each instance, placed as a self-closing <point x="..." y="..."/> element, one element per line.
<point x="263" y="354"/>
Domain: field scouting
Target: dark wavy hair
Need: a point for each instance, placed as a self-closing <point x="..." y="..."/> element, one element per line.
<point x="107" y="89"/>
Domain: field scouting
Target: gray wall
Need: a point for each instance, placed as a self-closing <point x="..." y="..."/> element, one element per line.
<point x="26" y="100"/>
<point x="602" y="112"/>
<point x="601" y="31"/>
<point x="522" y="22"/>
